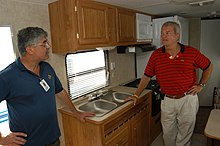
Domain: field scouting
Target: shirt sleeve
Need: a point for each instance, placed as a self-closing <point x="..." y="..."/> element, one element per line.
<point x="201" y="61"/>
<point x="150" y="67"/>
<point x="58" y="85"/>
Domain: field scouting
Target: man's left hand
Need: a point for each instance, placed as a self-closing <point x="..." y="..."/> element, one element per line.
<point x="195" y="89"/>
<point x="82" y="115"/>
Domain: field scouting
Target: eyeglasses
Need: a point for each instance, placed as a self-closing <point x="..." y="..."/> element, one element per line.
<point x="45" y="44"/>
<point x="166" y="34"/>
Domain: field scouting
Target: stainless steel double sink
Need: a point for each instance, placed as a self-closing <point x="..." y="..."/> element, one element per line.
<point x="105" y="103"/>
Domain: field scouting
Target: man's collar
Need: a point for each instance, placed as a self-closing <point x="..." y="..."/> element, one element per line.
<point x="19" y="64"/>
<point x="182" y="48"/>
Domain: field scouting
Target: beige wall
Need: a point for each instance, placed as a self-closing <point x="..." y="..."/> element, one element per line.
<point x="194" y="32"/>
<point x="194" y="36"/>
<point x="124" y="67"/>
<point x="19" y="15"/>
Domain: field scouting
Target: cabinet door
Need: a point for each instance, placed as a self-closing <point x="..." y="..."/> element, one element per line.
<point x="59" y="42"/>
<point x="126" y="26"/>
<point x="63" y="26"/>
<point x="93" y="26"/>
<point x="140" y="130"/>
<point x="120" y="139"/>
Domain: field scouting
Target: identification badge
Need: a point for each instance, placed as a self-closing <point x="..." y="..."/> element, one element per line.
<point x="44" y="84"/>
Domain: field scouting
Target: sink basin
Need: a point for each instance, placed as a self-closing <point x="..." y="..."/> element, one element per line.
<point x="106" y="103"/>
<point x="99" y="107"/>
<point x="116" y="97"/>
<point x="120" y="96"/>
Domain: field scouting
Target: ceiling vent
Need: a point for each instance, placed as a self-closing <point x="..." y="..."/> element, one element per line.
<point x="201" y="3"/>
<point x="214" y="14"/>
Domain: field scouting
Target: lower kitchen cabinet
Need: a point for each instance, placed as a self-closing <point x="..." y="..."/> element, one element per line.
<point x="141" y="130"/>
<point x="129" y="126"/>
<point x="119" y="139"/>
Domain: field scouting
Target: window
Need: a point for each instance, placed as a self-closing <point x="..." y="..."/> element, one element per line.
<point x="7" y="56"/>
<point x="86" y="72"/>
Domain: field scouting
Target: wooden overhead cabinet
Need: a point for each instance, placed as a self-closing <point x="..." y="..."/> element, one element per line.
<point x="92" y="23"/>
<point x="81" y="25"/>
<point x="126" y="25"/>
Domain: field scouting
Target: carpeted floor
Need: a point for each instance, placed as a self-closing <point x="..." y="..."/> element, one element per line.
<point x="197" y="140"/>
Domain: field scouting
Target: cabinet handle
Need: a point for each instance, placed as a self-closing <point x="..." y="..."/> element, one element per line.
<point x="135" y="129"/>
<point x="109" y="32"/>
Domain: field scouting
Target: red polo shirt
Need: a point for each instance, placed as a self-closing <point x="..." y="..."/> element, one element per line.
<point x="176" y="75"/>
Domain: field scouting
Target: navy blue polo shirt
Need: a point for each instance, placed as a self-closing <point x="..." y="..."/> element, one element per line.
<point x="31" y="109"/>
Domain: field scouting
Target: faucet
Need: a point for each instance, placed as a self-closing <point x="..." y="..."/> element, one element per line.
<point x="92" y="96"/>
<point x="96" y="95"/>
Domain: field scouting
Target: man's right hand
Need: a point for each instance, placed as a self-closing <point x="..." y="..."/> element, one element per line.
<point x="14" y="139"/>
<point x="134" y="98"/>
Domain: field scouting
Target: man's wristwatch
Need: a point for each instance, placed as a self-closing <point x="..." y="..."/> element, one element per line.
<point x="202" y="85"/>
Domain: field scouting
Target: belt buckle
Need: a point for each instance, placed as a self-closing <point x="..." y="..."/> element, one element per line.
<point x="174" y="97"/>
<point x="177" y="97"/>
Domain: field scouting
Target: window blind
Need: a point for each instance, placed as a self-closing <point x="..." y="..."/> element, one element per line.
<point x="86" y="72"/>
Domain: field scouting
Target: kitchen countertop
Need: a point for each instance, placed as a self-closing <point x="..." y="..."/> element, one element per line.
<point x="128" y="104"/>
<point x="212" y="129"/>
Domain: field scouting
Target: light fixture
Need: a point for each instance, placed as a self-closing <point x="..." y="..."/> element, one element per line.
<point x="201" y="3"/>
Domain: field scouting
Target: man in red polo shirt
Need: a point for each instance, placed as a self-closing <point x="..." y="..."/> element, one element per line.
<point x="174" y="66"/>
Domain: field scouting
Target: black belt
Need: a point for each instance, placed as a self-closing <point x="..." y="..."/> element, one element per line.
<point x="176" y="96"/>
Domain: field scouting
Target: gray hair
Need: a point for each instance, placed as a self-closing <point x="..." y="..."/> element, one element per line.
<point x="174" y="24"/>
<point x="29" y="36"/>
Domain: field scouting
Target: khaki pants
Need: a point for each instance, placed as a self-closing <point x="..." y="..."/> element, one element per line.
<point x="178" y="118"/>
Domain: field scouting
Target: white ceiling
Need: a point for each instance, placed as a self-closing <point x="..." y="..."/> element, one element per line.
<point x="169" y="7"/>
<point x="160" y="7"/>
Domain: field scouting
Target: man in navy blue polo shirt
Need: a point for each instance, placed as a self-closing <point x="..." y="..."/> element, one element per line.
<point x="29" y="86"/>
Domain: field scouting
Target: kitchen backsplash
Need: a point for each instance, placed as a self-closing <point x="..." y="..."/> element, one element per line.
<point x="124" y="67"/>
